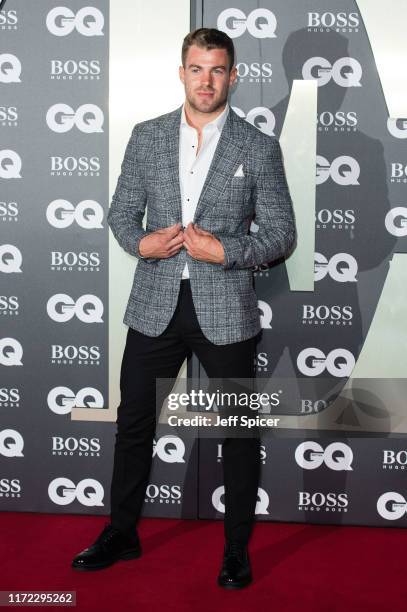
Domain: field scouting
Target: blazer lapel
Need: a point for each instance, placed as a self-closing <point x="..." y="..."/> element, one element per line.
<point x="230" y="149"/>
<point x="169" y="162"/>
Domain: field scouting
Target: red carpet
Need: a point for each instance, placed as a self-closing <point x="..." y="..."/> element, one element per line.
<point x="296" y="567"/>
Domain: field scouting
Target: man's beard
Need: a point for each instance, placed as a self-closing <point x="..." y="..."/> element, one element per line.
<point x="211" y="108"/>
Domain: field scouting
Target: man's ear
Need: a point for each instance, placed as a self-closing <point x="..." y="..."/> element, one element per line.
<point x="181" y="73"/>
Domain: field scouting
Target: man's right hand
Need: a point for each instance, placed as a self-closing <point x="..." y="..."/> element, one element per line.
<point x="162" y="243"/>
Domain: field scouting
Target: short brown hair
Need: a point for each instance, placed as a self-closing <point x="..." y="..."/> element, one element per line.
<point x="209" y="38"/>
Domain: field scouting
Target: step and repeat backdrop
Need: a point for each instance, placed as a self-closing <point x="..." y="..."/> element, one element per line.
<point x="54" y="197"/>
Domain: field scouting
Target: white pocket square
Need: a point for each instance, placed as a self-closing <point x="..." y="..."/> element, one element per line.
<point x="239" y="171"/>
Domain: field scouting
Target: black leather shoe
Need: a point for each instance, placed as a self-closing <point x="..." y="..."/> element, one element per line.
<point x="236" y="572"/>
<point x="110" y="546"/>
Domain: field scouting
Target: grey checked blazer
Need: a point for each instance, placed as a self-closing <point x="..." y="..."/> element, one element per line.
<point x="223" y="294"/>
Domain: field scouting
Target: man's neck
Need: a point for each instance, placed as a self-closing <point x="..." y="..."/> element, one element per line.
<point x="197" y="119"/>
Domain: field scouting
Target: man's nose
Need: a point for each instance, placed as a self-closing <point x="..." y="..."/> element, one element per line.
<point x="207" y="78"/>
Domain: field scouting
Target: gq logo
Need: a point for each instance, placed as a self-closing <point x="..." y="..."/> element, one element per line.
<point x="10" y="68"/>
<point x="10" y="259"/>
<point x="11" y="443"/>
<point x="337" y="456"/>
<point x="266" y="314"/>
<point x="62" y="308"/>
<point x="396" y="221"/>
<point x="11" y="352"/>
<point x="88" y="118"/>
<point x="262" y="504"/>
<point x="346" y="71"/>
<point x="392" y="506"/>
<point x="89" y="492"/>
<point x="397" y="127"/>
<point x="261" y="117"/>
<point x="88" y="21"/>
<point x="342" y="267"/>
<point x="344" y="170"/>
<point x="169" y="449"/>
<point x="61" y="400"/>
<point x="87" y="214"/>
<point x="339" y="362"/>
<point x="260" y="23"/>
<point x="10" y="164"/>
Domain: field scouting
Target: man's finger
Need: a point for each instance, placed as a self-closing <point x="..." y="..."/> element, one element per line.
<point x="177" y="240"/>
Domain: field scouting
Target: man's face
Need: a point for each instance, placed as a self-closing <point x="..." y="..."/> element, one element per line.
<point x="206" y="78"/>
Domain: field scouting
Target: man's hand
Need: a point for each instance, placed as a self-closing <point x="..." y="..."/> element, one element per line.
<point x="203" y="245"/>
<point x="162" y="243"/>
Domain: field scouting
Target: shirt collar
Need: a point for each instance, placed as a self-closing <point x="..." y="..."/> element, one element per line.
<point x="218" y="122"/>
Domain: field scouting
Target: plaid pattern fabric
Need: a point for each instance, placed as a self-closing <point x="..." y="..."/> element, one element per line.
<point x="223" y="294"/>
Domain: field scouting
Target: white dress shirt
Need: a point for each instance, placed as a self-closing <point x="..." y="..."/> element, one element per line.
<point x="193" y="168"/>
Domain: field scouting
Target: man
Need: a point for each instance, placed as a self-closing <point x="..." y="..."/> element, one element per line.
<point x="203" y="173"/>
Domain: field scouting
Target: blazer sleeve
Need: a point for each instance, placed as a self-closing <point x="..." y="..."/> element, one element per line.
<point x="273" y="214"/>
<point x="129" y="201"/>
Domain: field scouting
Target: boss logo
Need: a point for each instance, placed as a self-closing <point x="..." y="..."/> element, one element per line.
<point x="392" y="506"/>
<point x="88" y="21"/>
<point x="260" y="23"/>
<point x="70" y="354"/>
<point x="335" y="219"/>
<point x="11" y="352"/>
<point x="393" y="460"/>
<point x="334" y="315"/>
<point x="262" y="504"/>
<point x="263" y="453"/>
<point x="9" y="397"/>
<point x="75" y="261"/>
<point x="163" y="494"/>
<point x="336" y="456"/>
<point x="309" y="406"/>
<point x="8" y="20"/>
<point x="329" y="502"/>
<point x="62" y="308"/>
<point x="337" y="122"/>
<point x="61" y="400"/>
<point x="10" y="487"/>
<point x="255" y="72"/>
<point x="10" y="164"/>
<point x="261" y="117"/>
<point x="88" y="214"/>
<point x="344" y="170"/>
<point x="9" y="305"/>
<point x="10" y="68"/>
<point x="83" y="447"/>
<point x="88" y="118"/>
<point x="8" y="211"/>
<point x="261" y="362"/>
<point x="11" y="443"/>
<point x="82" y="69"/>
<point x="398" y="173"/>
<point x="313" y="362"/>
<point x="337" y="21"/>
<point x="341" y="267"/>
<point x="345" y="72"/>
<point x="88" y="492"/>
<point x="8" y="116"/>
<point x="82" y="166"/>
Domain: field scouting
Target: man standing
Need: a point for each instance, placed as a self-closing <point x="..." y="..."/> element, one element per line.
<point x="203" y="173"/>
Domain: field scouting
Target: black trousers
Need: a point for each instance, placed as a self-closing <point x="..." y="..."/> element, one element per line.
<point x="146" y="358"/>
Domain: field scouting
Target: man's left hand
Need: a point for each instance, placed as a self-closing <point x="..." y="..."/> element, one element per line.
<point x="203" y="245"/>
